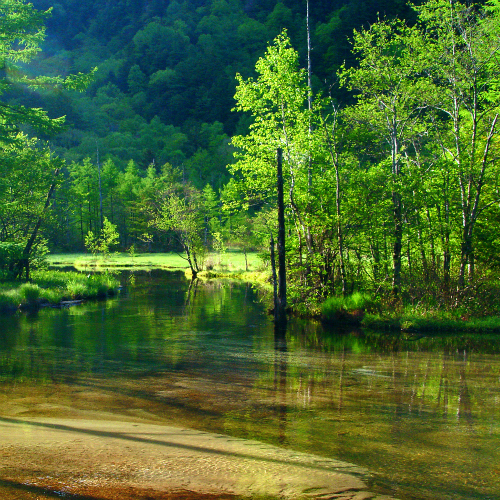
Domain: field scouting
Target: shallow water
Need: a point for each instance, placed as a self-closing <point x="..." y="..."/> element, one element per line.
<point x="421" y="413"/>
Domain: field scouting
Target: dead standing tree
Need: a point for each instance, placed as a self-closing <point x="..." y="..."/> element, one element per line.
<point x="280" y="282"/>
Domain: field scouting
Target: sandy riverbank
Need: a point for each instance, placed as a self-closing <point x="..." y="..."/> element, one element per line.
<point x="109" y="459"/>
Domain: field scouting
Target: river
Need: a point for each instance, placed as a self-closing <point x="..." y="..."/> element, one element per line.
<point x="421" y="413"/>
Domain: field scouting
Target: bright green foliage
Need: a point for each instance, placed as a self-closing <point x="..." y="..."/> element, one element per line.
<point x="354" y="302"/>
<point x="26" y="173"/>
<point x="22" y="32"/>
<point x="391" y="97"/>
<point x="276" y="100"/>
<point x="461" y="55"/>
<point x="385" y="193"/>
<point x="29" y="292"/>
<point x="397" y="192"/>
<point x="27" y="170"/>
<point x="182" y="212"/>
<point x="102" y="242"/>
<point x="10" y="253"/>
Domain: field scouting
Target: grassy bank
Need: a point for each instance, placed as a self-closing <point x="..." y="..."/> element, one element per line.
<point x="52" y="288"/>
<point x="362" y="310"/>
<point x="436" y="322"/>
<point x="86" y="262"/>
<point x="231" y="264"/>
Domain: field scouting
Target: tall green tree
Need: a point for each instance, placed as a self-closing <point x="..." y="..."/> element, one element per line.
<point x="389" y="95"/>
<point x="277" y="101"/>
<point x="183" y="212"/>
<point x="462" y="44"/>
<point x="22" y="31"/>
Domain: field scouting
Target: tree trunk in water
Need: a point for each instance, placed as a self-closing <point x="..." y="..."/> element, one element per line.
<point x="280" y="306"/>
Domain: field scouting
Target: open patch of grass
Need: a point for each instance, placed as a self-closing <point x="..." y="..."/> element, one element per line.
<point x="87" y="262"/>
<point x="229" y="262"/>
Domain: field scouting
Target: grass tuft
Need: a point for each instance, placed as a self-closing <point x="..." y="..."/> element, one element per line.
<point x="29" y="293"/>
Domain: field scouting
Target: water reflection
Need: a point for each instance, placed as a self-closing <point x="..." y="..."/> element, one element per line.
<point x="422" y="413"/>
<point x="280" y="378"/>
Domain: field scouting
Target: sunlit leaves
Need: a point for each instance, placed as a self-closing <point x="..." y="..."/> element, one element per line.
<point x="276" y="100"/>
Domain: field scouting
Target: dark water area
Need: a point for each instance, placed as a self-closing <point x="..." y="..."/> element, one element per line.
<point x="422" y="413"/>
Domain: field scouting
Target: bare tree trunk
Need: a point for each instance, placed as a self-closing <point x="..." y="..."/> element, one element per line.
<point x="194" y="267"/>
<point x="398" y="238"/>
<point x="423" y="256"/>
<point x="431" y="242"/>
<point x="275" y="278"/>
<point x="340" y="235"/>
<point x="280" y="310"/>
<point x="334" y="155"/>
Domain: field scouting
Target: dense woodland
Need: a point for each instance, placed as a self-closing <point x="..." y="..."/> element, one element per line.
<point x="386" y="114"/>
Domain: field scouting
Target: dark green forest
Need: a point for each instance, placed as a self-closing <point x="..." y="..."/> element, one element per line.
<point x="386" y="113"/>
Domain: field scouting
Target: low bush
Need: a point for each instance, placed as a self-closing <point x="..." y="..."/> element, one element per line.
<point x="339" y="308"/>
<point x="29" y="293"/>
<point x="9" y="300"/>
<point x="353" y="302"/>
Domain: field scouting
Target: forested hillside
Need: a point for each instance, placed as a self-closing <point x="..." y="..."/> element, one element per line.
<point x="164" y="89"/>
<point x="166" y="71"/>
<point x="389" y="142"/>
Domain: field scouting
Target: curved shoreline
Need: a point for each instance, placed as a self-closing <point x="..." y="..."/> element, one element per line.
<point x="82" y="458"/>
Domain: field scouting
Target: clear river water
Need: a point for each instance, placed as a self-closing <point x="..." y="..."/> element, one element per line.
<point x="421" y="413"/>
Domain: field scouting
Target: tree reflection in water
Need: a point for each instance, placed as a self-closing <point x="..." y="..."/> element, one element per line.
<point x="280" y="378"/>
<point x="422" y="412"/>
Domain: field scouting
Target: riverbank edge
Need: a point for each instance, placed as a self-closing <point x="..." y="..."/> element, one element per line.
<point x="359" y="318"/>
<point x="436" y="322"/>
<point x="56" y="289"/>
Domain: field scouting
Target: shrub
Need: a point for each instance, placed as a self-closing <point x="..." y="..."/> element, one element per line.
<point x="76" y="289"/>
<point x="10" y="253"/>
<point x="334" y="308"/>
<point x="29" y="293"/>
